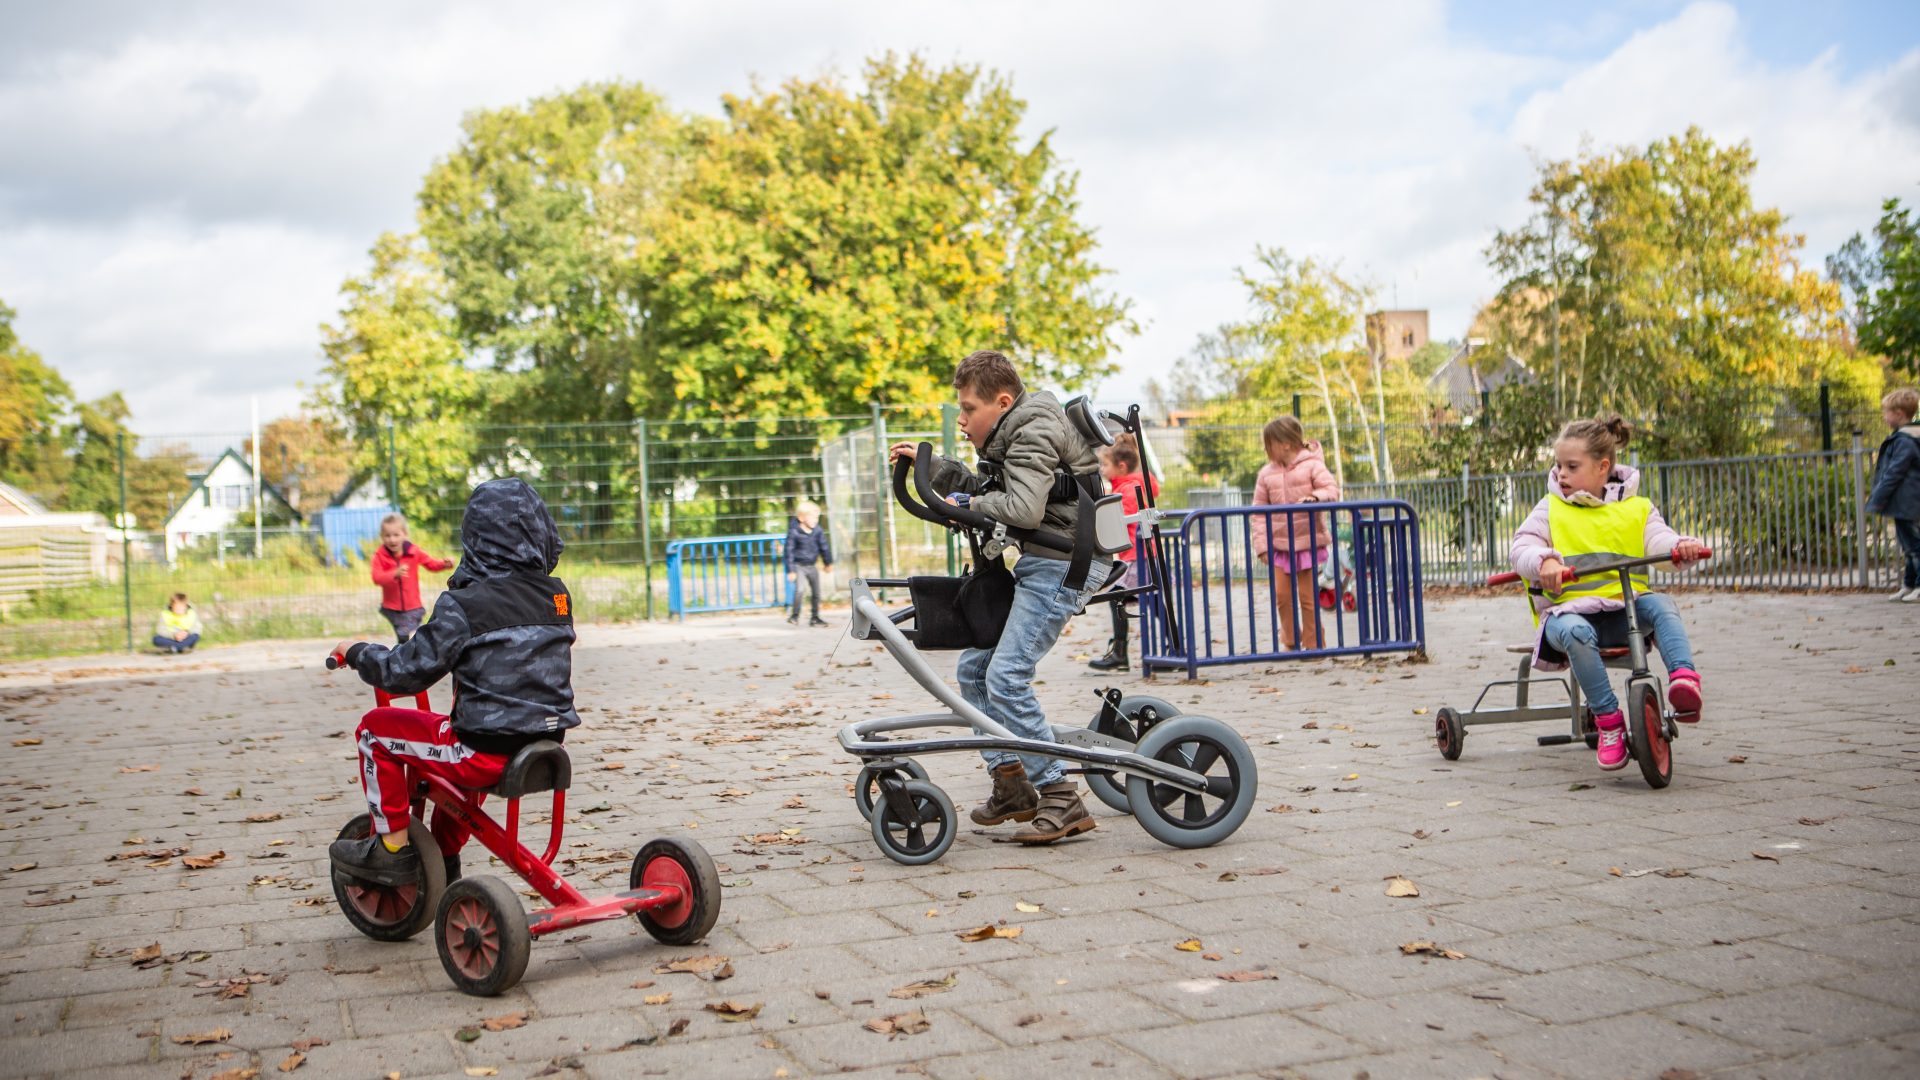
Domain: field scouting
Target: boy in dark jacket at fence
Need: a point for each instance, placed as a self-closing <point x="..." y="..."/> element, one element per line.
<point x="504" y="629"/>
<point x="807" y="544"/>
<point x="1896" y="485"/>
<point x="1027" y="435"/>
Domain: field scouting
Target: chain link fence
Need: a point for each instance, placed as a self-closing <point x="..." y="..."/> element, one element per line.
<point x="288" y="557"/>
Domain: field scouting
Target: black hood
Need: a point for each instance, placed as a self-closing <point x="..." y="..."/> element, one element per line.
<point x="506" y="530"/>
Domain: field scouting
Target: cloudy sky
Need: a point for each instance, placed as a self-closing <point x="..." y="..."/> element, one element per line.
<point x="183" y="186"/>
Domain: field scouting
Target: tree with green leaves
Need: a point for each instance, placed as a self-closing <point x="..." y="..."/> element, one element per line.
<point x="395" y="369"/>
<point x="1882" y="284"/>
<point x="831" y="247"/>
<point x="1648" y="282"/>
<point x="34" y="400"/>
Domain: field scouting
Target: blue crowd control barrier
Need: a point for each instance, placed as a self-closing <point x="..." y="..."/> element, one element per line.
<point x="1219" y="604"/>
<point x="727" y="573"/>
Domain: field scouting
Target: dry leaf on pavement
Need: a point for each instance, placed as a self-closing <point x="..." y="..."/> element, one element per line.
<point x="912" y="1023"/>
<point x="1246" y="976"/>
<point x="203" y="862"/>
<point x="294" y="1061"/>
<point x="1399" y="886"/>
<point x="982" y="933"/>
<point x="657" y="999"/>
<point x="505" y="1023"/>
<point x="204" y="1037"/>
<point x="925" y="987"/>
<point x="481" y="1070"/>
<point x="735" y="1011"/>
<point x="1192" y="944"/>
<point x="694" y="965"/>
<point x="1764" y="855"/>
<point x="1428" y="948"/>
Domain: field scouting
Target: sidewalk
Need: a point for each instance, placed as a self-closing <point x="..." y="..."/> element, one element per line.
<point x="1761" y="917"/>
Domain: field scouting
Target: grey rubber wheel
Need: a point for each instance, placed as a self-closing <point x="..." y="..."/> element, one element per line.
<point x="392" y="913"/>
<point x="483" y="937"/>
<point x="866" y="786"/>
<point x="923" y="842"/>
<point x="1113" y="790"/>
<point x="1212" y="749"/>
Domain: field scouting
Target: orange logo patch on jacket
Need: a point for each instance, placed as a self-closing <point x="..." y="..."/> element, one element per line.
<point x="559" y="603"/>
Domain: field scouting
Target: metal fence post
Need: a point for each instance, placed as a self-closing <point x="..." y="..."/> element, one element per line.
<point x="881" y="489"/>
<point x="1466" y="520"/>
<point x="126" y="545"/>
<point x="1296" y="406"/>
<point x="1859" y="507"/>
<point x="393" y="471"/>
<point x="949" y="413"/>
<point x="646" y="524"/>
<point x="1826" y="417"/>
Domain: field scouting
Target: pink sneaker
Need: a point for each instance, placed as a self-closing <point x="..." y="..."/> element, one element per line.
<point x="1612" y="752"/>
<point x="1683" y="693"/>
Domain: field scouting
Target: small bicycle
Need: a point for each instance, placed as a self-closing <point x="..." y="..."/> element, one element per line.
<point x="1651" y="726"/>
<point x="484" y="934"/>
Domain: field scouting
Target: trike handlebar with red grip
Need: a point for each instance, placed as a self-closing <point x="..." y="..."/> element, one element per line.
<point x="335" y="661"/>
<point x="1509" y="577"/>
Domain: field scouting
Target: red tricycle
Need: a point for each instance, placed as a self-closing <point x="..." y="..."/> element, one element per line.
<point x="485" y="935"/>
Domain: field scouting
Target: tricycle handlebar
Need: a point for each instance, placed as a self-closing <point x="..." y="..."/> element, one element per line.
<point x="1509" y="577"/>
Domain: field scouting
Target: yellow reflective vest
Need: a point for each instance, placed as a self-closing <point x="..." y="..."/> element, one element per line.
<point x="1591" y="535"/>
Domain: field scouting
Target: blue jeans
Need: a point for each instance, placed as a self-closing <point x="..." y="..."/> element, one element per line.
<point x="999" y="681"/>
<point x="1574" y="635"/>
<point x="171" y="645"/>
<point x="1908" y="533"/>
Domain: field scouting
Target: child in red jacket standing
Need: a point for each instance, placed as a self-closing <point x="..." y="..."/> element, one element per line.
<point x="397" y="563"/>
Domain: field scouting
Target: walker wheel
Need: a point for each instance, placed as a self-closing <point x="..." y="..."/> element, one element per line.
<point x="686" y="866"/>
<point x="1138" y="714"/>
<point x="1588" y="733"/>
<point x="866" y="786"/>
<point x="1215" y="751"/>
<point x="390" y="912"/>
<point x="483" y="937"/>
<point x="1449" y="734"/>
<point x="925" y="837"/>
<point x="1646" y="722"/>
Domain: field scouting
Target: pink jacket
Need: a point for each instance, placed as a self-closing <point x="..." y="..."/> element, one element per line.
<point x="1276" y="486"/>
<point x="1533" y="543"/>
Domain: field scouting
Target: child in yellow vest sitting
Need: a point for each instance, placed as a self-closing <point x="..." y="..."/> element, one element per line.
<point x="1593" y="514"/>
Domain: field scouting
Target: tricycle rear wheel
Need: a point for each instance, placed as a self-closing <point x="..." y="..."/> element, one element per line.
<point x="385" y="912"/>
<point x="483" y="937"/>
<point x="1449" y="734"/>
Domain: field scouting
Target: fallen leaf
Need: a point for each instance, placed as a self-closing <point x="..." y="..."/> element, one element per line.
<point x="1453" y="804"/>
<point x="217" y="1035"/>
<point x="1855" y="669"/>
<point x="924" y="987"/>
<point x="734" y="1011"/>
<point x="1228" y="876"/>
<point x="467" y="1034"/>
<point x="51" y="902"/>
<point x="304" y="1045"/>
<point x="1579" y="787"/>
<point x="139" y="768"/>
<point x="203" y="862"/>
<point x="21" y="868"/>
<point x="1815" y="820"/>
<point x="677" y="1026"/>
<point x="1192" y="944"/>
<point x="657" y="999"/>
<point x="26" y="742"/>
<point x="912" y="1023"/>
<point x="1737" y="759"/>
<point x="193" y="791"/>
<point x="1428" y="948"/>
<point x="1311" y="725"/>
<point x="693" y="965"/>
<point x="1764" y="855"/>
<point x="264" y="816"/>
<point x="146" y="953"/>
<point x="1246" y="976"/>
<point x="1280" y="808"/>
<point x="1399" y="886"/>
<point x="244" y="1072"/>
<point x="481" y="1070"/>
<point x="1023" y="906"/>
<point x="294" y="1061"/>
<point x="982" y="933"/>
<point x="642" y="984"/>
<point x="1679" y="1074"/>
<point x="505" y="1023"/>
<point x="1213" y="956"/>
<point x="1351" y="776"/>
<point x="614" y="766"/>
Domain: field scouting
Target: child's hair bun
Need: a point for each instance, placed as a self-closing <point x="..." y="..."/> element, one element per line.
<point x="1621" y="431"/>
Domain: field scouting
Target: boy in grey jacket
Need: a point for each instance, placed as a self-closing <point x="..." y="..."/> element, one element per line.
<point x="1025" y="443"/>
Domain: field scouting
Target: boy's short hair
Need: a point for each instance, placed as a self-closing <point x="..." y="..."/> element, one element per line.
<point x="395" y="518"/>
<point x="1905" y="400"/>
<point x="177" y="598"/>
<point x="807" y="506"/>
<point x="987" y="373"/>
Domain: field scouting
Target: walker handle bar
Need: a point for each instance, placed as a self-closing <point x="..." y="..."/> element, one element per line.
<point x="931" y="507"/>
<point x="1510" y="577"/>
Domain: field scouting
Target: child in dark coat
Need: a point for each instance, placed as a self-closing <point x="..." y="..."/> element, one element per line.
<point x="807" y="544"/>
<point x="1896" y="485"/>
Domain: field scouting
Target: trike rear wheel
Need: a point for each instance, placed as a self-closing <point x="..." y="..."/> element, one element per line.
<point x="389" y="912"/>
<point x="1138" y="714"/>
<point x="483" y="937"/>
<point x="1648" y="730"/>
<point x="1449" y="734"/>
<point x="1212" y="749"/>
<point x="686" y="866"/>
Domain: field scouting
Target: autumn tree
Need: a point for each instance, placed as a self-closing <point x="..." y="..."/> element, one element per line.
<point x="1647" y="281"/>
<point x="34" y="400"/>
<point x="305" y="458"/>
<point x="1881" y="280"/>
<point x="395" y="370"/>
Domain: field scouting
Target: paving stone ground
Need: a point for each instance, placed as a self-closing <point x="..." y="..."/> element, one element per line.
<point x="1787" y="944"/>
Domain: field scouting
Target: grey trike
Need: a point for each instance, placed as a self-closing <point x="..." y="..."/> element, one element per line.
<point x="1651" y="725"/>
<point x="1189" y="781"/>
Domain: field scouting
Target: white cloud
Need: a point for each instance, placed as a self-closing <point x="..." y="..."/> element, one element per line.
<point x="182" y="196"/>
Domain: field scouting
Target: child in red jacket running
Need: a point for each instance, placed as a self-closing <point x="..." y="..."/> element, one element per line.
<point x="397" y="563"/>
<point x="1127" y="478"/>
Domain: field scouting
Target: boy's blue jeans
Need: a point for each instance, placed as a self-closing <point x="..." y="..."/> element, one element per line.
<point x="1574" y="635"/>
<point x="1908" y="533"/>
<point x="999" y="681"/>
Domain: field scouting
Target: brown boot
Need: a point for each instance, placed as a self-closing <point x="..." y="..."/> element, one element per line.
<point x="1061" y="814"/>
<point x="1013" y="797"/>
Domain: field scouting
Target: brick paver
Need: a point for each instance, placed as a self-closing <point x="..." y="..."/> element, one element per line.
<point x="1578" y="962"/>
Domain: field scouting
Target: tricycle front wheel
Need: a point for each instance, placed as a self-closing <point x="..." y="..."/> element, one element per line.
<point x="684" y="865"/>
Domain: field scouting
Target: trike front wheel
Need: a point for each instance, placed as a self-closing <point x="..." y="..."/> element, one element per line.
<point x="686" y="866"/>
<point x="1648" y="730"/>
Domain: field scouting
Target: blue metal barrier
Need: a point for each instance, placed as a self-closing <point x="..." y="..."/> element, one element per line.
<point x="727" y="573"/>
<point x="1216" y="584"/>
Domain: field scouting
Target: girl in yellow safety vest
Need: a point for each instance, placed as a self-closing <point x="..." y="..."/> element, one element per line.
<point x="1594" y="513"/>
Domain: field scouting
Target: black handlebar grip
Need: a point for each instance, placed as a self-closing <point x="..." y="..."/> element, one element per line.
<point x="333" y="661"/>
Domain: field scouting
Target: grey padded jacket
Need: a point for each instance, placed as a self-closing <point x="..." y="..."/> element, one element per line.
<point x="1031" y="441"/>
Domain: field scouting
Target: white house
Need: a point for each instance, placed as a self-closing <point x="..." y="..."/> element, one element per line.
<point x="219" y="496"/>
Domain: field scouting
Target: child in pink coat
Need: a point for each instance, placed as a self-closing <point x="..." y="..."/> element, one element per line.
<point x="1294" y="473"/>
<point x="1587" y="475"/>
